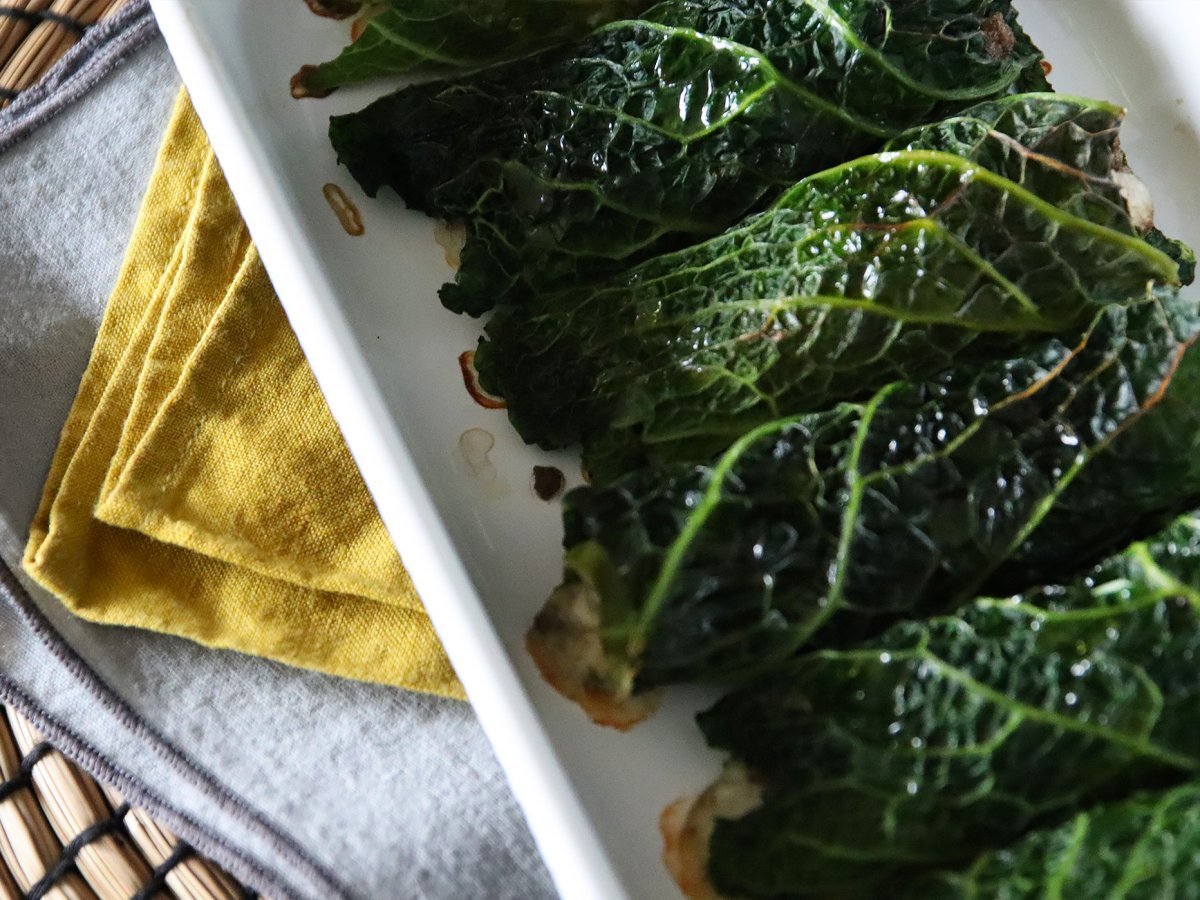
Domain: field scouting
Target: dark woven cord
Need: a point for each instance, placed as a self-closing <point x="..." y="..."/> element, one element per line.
<point x="43" y="15"/>
<point x="66" y="862"/>
<point x="21" y="780"/>
<point x="8" y="93"/>
<point x="158" y="878"/>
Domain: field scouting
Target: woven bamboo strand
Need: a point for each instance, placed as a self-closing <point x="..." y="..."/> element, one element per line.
<point x="137" y="842"/>
<point x="8" y="887"/>
<point x="38" y="51"/>
<point x="28" y="846"/>
<point x="14" y="28"/>
<point x="112" y="10"/>
<point x="48" y="41"/>
<point x="194" y="878"/>
<point x="73" y="803"/>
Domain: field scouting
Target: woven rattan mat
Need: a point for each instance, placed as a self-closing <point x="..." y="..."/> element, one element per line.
<point x="62" y="834"/>
<point x="35" y="33"/>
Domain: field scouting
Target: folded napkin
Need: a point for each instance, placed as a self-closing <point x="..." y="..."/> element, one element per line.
<point x="200" y="487"/>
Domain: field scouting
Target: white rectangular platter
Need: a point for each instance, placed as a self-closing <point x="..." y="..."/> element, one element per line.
<point x="482" y="550"/>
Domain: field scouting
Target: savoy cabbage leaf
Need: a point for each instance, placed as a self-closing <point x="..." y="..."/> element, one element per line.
<point x="396" y="37"/>
<point x="823" y="528"/>
<point x="654" y="133"/>
<point x="1146" y="848"/>
<point x="1006" y="222"/>
<point x="946" y="737"/>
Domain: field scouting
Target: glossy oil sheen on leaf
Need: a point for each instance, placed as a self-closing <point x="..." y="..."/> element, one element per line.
<point x="402" y="36"/>
<point x="1147" y="848"/>
<point x="825" y="528"/>
<point x="946" y="737"/>
<point x="655" y="133"/>
<point x="887" y="267"/>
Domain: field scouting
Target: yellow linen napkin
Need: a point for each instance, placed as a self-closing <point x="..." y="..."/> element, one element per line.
<point x="201" y="487"/>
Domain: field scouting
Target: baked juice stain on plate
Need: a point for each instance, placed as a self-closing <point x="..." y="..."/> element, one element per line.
<point x="466" y="365"/>
<point x="474" y="452"/>
<point x="344" y="208"/>
<point x="474" y="445"/>
<point x="548" y="482"/>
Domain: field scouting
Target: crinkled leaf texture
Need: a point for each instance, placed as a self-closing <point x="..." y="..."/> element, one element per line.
<point x="1147" y="848"/>
<point x="655" y="133"/>
<point x="403" y="36"/>
<point x="982" y="232"/>
<point x="944" y="737"/>
<point x="824" y="528"/>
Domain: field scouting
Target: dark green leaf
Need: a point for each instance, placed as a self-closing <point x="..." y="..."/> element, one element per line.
<point x="1147" y="848"/>
<point x="403" y="36"/>
<point x="653" y="134"/>
<point x="887" y="267"/>
<point x="824" y="528"/>
<point x="942" y="738"/>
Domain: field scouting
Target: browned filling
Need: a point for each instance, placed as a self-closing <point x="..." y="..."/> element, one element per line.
<point x="998" y="39"/>
<point x="687" y="827"/>
<point x="565" y="644"/>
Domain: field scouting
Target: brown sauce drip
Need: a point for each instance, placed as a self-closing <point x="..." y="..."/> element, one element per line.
<point x="548" y="482"/>
<point x="300" y="89"/>
<point x="333" y="9"/>
<point x="344" y="208"/>
<point x="466" y="365"/>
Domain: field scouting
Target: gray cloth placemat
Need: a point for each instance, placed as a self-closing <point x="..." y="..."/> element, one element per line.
<point x="302" y="785"/>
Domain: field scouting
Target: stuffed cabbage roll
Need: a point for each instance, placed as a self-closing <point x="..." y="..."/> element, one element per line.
<point x="857" y="768"/>
<point x="655" y="133"/>
<point x="973" y="237"/>
<point x="395" y="37"/>
<point x="824" y="528"/>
